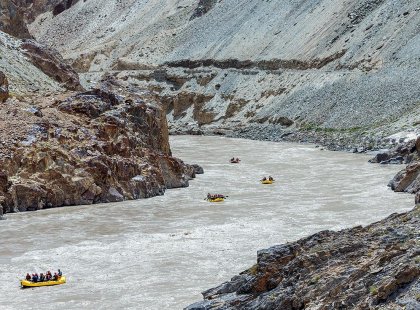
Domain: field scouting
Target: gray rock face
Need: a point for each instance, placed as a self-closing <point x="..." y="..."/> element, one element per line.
<point x="15" y="14"/>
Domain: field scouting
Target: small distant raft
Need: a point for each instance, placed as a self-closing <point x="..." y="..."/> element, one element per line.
<point x="267" y="181"/>
<point x="26" y="283"/>
<point x="218" y="199"/>
<point x="235" y="161"/>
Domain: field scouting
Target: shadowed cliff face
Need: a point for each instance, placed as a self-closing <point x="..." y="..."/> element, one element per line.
<point x="82" y="148"/>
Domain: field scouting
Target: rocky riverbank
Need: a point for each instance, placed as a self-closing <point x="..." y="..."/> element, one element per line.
<point x="372" y="267"/>
<point x="105" y="145"/>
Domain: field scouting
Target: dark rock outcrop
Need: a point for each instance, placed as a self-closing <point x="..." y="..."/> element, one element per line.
<point x="104" y="145"/>
<point x="403" y="153"/>
<point x="202" y="8"/>
<point x="373" y="267"/>
<point x="4" y="87"/>
<point x="63" y="5"/>
<point x="51" y="63"/>
<point x="16" y="14"/>
<point x="12" y="18"/>
<point x="408" y="179"/>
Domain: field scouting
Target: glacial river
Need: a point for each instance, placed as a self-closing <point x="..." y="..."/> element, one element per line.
<point x="160" y="253"/>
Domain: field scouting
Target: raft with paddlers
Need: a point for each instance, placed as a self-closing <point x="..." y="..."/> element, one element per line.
<point x="46" y="279"/>
<point x="234" y="160"/>
<point x="26" y="283"/>
<point x="215" y="197"/>
<point x="268" y="180"/>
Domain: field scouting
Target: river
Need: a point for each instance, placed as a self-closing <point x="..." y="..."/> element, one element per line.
<point x="160" y="253"/>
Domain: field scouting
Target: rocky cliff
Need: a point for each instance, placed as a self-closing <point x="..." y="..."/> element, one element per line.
<point x="266" y="69"/>
<point x="61" y="145"/>
<point x="372" y="267"/>
<point x="104" y="145"/>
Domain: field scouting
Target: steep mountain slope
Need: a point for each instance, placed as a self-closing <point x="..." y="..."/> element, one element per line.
<point x="348" y="65"/>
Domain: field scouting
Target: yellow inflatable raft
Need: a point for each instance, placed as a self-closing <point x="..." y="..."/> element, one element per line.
<point x="216" y="199"/>
<point x="266" y="182"/>
<point x="26" y="283"/>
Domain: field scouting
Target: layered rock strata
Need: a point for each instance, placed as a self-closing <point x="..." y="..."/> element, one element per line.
<point x="372" y="267"/>
<point x="109" y="144"/>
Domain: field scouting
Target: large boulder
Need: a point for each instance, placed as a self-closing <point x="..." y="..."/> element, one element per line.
<point x="407" y="180"/>
<point x="4" y="87"/>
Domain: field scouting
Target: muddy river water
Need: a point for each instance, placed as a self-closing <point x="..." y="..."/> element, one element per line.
<point x="160" y="253"/>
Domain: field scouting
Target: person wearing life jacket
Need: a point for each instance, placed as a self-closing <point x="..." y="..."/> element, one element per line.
<point x="41" y="277"/>
<point x="48" y="276"/>
<point x="28" y="277"/>
<point x="35" y="278"/>
<point x="264" y="179"/>
<point x="55" y="277"/>
<point x="60" y="274"/>
<point x="270" y="178"/>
